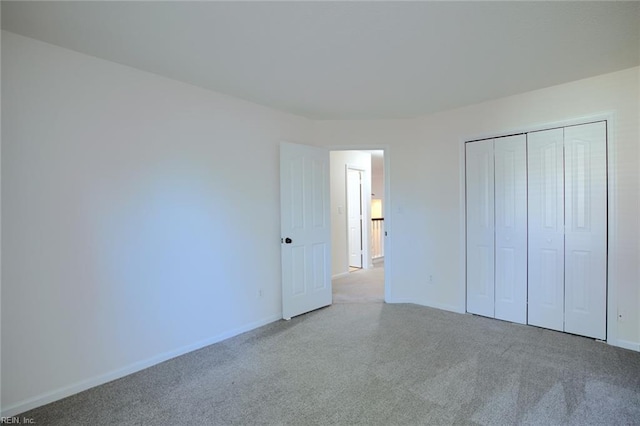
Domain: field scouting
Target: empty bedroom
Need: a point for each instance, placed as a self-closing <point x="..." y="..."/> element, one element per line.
<point x="320" y="213"/>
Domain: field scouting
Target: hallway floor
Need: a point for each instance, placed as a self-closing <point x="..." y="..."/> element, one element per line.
<point x="360" y="286"/>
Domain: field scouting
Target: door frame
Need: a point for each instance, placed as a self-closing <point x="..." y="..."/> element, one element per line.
<point x="388" y="220"/>
<point x="612" y="196"/>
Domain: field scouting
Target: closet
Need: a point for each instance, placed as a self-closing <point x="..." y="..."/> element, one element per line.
<point x="536" y="220"/>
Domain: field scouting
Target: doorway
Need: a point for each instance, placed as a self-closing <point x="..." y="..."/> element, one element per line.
<point x="357" y="225"/>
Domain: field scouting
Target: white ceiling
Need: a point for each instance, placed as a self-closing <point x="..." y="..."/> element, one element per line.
<point x="348" y="60"/>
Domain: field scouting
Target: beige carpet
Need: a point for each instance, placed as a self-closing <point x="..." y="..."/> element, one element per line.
<point x="361" y="286"/>
<point x="374" y="364"/>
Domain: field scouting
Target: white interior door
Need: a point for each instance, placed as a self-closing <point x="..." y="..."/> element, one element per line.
<point x="480" y="227"/>
<point x="511" y="228"/>
<point x="586" y="229"/>
<point x="354" y="214"/>
<point x="305" y="227"/>
<point x="546" y="229"/>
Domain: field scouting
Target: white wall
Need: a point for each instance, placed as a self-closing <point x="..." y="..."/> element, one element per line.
<point x="377" y="177"/>
<point x="339" y="236"/>
<point x="132" y="208"/>
<point x="405" y="208"/>
<point x="426" y="170"/>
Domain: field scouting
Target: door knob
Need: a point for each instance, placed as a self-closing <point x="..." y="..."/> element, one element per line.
<point x="288" y="240"/>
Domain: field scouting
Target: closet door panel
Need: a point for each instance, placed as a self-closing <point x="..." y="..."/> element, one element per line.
<point x="511" y="228"/>
<point x="586" y="230"/>
<point x="546" y="229"/>
<point x="480" y="227"/>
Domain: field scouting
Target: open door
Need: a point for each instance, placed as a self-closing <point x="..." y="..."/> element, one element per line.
<point x="354" y="215"/>
<point x="305" y="229"/>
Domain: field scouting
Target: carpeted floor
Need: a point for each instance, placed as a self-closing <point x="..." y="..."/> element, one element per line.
<point x="374" y="363"/>
<point x="360" y="286"/>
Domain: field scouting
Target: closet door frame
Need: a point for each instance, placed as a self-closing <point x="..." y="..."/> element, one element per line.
<point x="612" y="196"/>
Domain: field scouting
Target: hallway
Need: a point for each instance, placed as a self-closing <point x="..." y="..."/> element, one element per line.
<point x="361" y="286"/>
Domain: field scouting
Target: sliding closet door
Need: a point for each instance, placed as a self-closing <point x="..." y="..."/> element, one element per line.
<point x="546" y="229"/>
<point x="585" y="229"/>
<point x="480" y="228"/>
<point x="511" y="228"/>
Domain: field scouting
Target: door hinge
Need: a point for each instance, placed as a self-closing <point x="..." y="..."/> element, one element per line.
<point x="385" y="233"/>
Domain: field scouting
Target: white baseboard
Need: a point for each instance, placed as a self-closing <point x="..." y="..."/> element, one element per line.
<point x="444" y="307"/>
<point x="626" y="344"/>
<point x="441" y="306"/>
<point x="83" y="385"/>
<point x="400" y="300"/>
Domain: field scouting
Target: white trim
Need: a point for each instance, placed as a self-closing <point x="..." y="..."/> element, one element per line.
<point x="387" y="225"/>
<point x="401" y="300"/>
<point x="612" y="290"/>
<point x="601" y="116"/>
<point x="83" y="385"/>
<point x="626" y="344"/>
<point x="444" y="307"/>
<point x="463" y="224"/>
<point x="612" y="235"/>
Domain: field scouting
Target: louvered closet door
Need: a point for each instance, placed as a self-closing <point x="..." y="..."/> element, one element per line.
<point x="480" y="227"/>
<point x="585" y="229"/>
<point x="546" y="229"/>
<point x="511" y="228"/>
